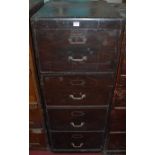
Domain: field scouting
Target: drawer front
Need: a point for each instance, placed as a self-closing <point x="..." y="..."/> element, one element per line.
<point x="77" y="119"/>
<point x="37" y="139"/>
<point x="118" y="120"/>
<point x="60" y="38"/>
<point x="78" y="90"/>
<point x="35" y="118"/>
<point x="73" y="82"/>
<point x="62" y="50"/>
<point x="77" y="140"/>
<point x="77" y="98"/>
<point x="117" y="141"/>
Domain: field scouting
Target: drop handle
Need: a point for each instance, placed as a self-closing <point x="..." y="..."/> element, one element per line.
<point x="77" y="125"/>
<point x="77" y="40"/>
<point x="84" y="58"/>
<point x="77" y="82"/>
<point x="77" y="98"/>
<point x="77" y="146"/>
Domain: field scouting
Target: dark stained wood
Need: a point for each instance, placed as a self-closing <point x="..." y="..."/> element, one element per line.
<point x="33" y="90"/>
<point x="36" y="118"/>
<point x="98" y="82"/>
<point x="77" y="51"/>
<point x="77" y="119"/>
<point x="78" y="90"/>
<point x="117" y="141"/>
<point x="120" y="96"/>
<point x="37" y="139"/>
<point x="77" y="97"/>
<point x="77" y="141"/>
<point x="76" y="57"/>
<point x="118" y="120"/>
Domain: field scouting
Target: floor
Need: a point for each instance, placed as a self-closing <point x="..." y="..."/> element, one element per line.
<point x="50" y="153"/>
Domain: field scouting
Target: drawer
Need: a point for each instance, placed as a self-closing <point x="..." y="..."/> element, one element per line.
<point x="73" y="82"/>
<point x="60" y="38"/>
<point x="118" y="119"/>
<point x="58" y="52"/>
<point x="77" y="140"/>
<point x="78" y="90"/>
<point x="120" y="96"/>
<point x="77" y="119"/>
<point x="37" y="139"/>
<point x="35" y="118"/>
<point x="78" y="60"/>
<point x="77" y="97"/>
<point x="117" y="141"/>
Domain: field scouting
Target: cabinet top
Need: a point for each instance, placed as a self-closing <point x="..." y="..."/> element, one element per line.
<point x="78" y="9"/>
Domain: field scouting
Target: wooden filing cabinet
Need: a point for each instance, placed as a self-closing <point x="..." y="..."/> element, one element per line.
<point x="77" y="52"/>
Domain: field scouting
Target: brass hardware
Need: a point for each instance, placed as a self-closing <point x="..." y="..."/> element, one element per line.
<point x="77" y="146"/>
<point x="77" y="136"/>
<point x="77" y="39"/>
<point x="77" y="113"/>
<point x="77" y="82"/>
<point x="77" y="125"/>
<point x="84" y="58"/>
<point x="77" y="98"/>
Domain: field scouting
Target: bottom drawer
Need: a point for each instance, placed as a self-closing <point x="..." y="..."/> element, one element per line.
<point x="37" y="139"/>
<point x="117" y="141"/>
<point x="77" y="141"/>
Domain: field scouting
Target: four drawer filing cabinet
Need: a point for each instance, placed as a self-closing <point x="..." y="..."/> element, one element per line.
<point x="77" y="54"/>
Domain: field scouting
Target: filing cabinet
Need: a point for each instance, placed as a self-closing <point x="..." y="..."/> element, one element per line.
<point x="77" y="52"/>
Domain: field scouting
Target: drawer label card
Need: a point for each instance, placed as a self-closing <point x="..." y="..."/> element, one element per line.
<point x="76" y="24"/>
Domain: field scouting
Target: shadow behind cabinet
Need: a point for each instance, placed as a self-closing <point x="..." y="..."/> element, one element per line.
<point x="77" y="51"/>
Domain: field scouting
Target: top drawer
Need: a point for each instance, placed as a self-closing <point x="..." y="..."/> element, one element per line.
<point x="77" y="50"/>
<point x="60" y="38"/>
<point x="75" y="23"/>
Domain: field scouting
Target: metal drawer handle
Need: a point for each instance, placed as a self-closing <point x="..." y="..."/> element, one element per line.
<point x="77" y="125"/>
<point x="77" y="98"/>
<point x="77" y="82"/>
<point x="77" y="136"/>
<point x="77" y="113"/>
<point x="84" y="58"/>
<point x="77" y="146"/>
<point x="77" y="40"/>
